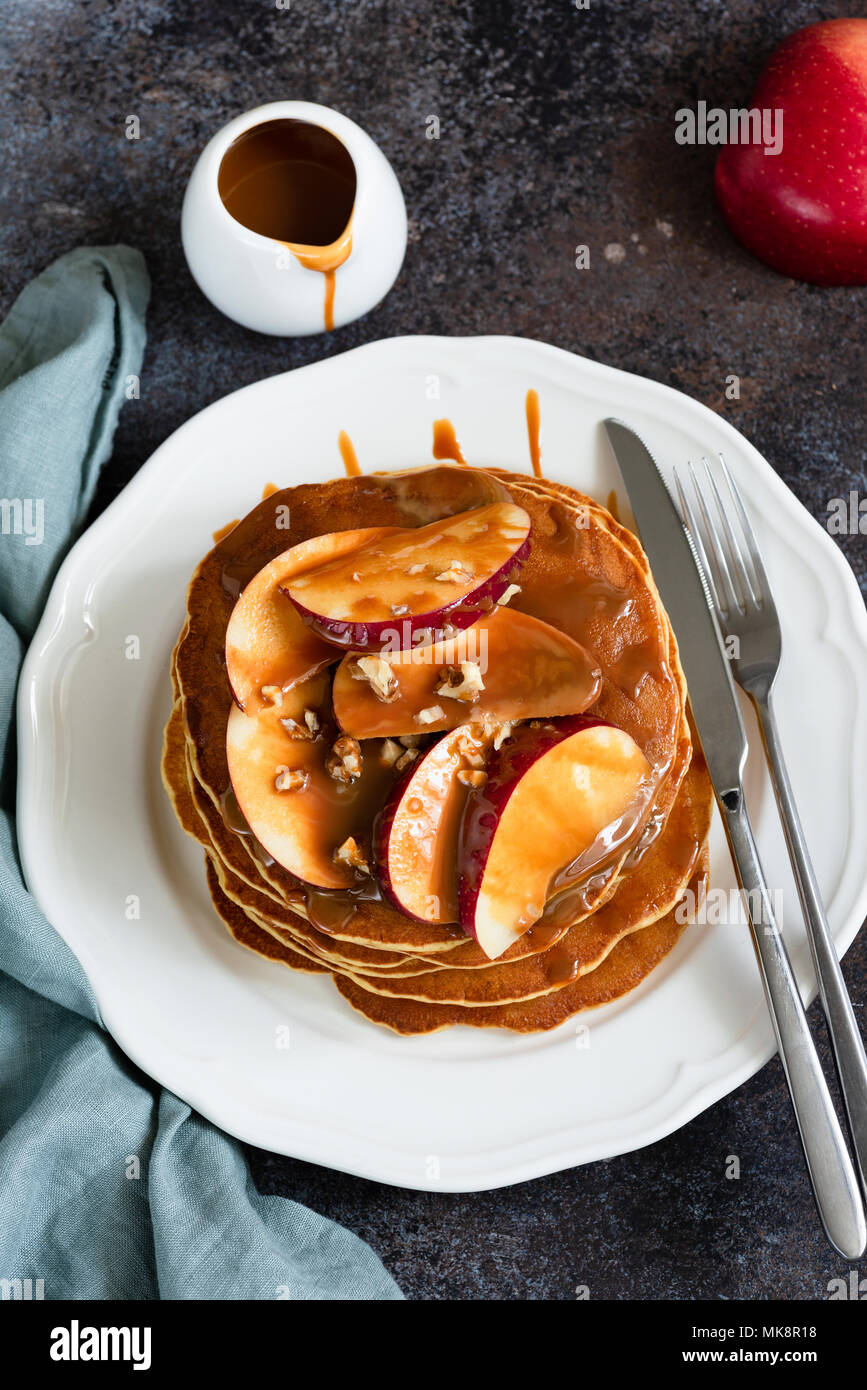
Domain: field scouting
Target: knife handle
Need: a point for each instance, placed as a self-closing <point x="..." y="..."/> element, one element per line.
<point x="835" y="1185"/>
<point x="843" y="1031"/>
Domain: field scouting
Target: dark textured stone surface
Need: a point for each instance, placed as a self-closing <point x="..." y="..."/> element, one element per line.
<point x="556" y="130"/>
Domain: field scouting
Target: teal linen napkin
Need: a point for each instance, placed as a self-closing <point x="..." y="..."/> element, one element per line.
<point x="109" y="1186"/>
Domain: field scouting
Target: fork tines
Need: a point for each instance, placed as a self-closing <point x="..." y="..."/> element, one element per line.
<point x="728" y="552"/>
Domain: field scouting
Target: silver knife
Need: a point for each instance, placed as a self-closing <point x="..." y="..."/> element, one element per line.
<point x="717" y="716"/>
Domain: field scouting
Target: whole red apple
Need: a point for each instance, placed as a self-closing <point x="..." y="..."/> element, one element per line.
<point x="804" y="210"/>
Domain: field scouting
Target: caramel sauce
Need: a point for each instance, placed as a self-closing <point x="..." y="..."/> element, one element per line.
<point x="445" y="442"/>
<point x="235" y="820"/>
<point x="232" y="814"/>
<point x="329" y="299"/>
<point x="544" y="934"/>
<point x="268" y="491"/>
<point x="560" y="965"/>
<point x="534" y="424"/>
<point x="609" y="846"/>
<point x="348" y="454"/>
<point x="423" y="495"/>
<point x="575" y="606"/>
<point x="332" y="910"/>
<point x="236" y="576"/>
<point x="613" y="505"/>
<point x="294" y="182"/>
<point x="225" y="531"/>
<point x="636" y="665"/>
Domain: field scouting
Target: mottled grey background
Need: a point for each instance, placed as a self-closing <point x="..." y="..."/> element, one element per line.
<point x="556" y="129"/>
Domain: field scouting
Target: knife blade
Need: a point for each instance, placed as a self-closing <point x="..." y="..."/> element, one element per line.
<point x="683" y="590"/>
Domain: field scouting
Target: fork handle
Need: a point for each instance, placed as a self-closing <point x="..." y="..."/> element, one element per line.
<point x="835" y="1185"/>
<point x="846" y="1040"/>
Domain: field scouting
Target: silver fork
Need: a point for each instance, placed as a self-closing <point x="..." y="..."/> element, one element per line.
<point x="746" y="612"/>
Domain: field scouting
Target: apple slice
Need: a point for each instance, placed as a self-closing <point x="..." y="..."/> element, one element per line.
<point x="268" y="644"/>
<point x="555" y="794"/>
<point x="417" y="832"/>
<point x="526" y="668"/>
<point x="298" y="810"/>
<point x="417" y="585"/>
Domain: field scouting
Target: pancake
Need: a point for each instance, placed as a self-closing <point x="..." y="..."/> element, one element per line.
<point x="630" y="962"/>
<point x="585" y="574"/>
<point x="654" y="719"/>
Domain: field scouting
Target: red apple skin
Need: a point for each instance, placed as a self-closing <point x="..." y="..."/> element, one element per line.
<point x="804" y="210"/>
<point x="382" y="831"/>
<point x="484" y="808"/>
<point x="465" y="610"/>
<point x="384" y="827"/>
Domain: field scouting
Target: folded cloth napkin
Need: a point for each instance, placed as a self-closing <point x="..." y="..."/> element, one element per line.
<point x="109" y="1186"/>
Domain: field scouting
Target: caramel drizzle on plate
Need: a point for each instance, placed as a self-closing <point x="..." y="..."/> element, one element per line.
<point x="224" y="531"/>
<point x="534" y="425"/>
<point x="348" y="454"/>
<point x="445" y="442"/>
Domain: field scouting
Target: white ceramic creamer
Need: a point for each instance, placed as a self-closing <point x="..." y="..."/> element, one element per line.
<point x="293" y="220"/>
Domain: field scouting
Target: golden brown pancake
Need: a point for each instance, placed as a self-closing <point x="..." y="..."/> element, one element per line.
<point x="654" y="719"/>
<point x="630" y="962"/>
<point x="586" y="574"/>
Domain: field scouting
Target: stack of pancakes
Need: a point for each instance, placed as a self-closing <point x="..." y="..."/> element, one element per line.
<point x="585" y="574"/>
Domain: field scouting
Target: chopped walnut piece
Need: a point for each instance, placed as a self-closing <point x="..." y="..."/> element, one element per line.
<point x="430" y="715"/>
<point x="273" y="694"/>
<point x="472" y="777"/>
<point x="398" y="609"/>
<point x="379" y="674"/>
<point x="311" y="719"/>
<point x="351" y="853"/>
<point x="344" y="763"/>
<point x="291" y="779"/>
<point x="508" y="594"/>
<point x="462" y="682"/>
<point x="470" y="751"/>
<point x="410" y="740"/>
<point x="502" y="734"/>
<point x="414" y="569"/>
<point x="296" y="730"/>
<point x="390" y="752"/>
<point x="407" y="757"/>
<point x="455" y="574"/>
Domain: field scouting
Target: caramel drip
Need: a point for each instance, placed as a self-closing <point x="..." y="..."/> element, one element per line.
<point x="225" y="531"/>
<point x="445" y="442"/>
<point x="560" y="965"/>
<point x="534" y="425"/>
<point x="612" y="505"/>
<point x="348" y="454"/>
<point x="329" y="301"/>
<point x="268" y="490"/>
<point x="326" y="259"/>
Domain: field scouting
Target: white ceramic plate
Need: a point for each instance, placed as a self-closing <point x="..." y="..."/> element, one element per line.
<point x="465" y="1109"/>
